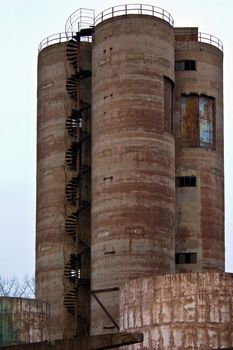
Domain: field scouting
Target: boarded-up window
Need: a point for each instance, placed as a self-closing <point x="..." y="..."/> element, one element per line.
<point x="168" y="105"/>
<point x="197" y="120"/>
<point x="189" y="120"/>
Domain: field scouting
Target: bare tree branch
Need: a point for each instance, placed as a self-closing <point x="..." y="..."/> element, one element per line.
<point x="12" y="287"/>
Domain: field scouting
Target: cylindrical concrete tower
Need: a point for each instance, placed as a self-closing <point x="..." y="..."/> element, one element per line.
<point x="199" y="152"/>
<point x="133" y="190"/>
<point x="52" y="246"/>
<point x="63" y="181"/>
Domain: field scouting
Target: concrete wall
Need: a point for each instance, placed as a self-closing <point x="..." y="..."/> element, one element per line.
<point x="23" y="321"/>
<point x="53" y="246"/>
<point x="200" y="209"/>
<point x="132" y="156"/>
<point x="180" y="311"/>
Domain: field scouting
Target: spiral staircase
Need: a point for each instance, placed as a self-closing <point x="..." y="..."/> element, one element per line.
<point x="77" y="189"/>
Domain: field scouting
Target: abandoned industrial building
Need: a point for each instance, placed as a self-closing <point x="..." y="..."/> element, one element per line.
<point x="130" y="183"/>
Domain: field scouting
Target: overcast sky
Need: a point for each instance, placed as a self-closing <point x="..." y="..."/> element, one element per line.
<point x="23" y="24"/>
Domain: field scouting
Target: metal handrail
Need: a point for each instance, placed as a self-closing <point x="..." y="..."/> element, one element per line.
<point x="79" y="19"/>
<point x="59" y="38"/>
<point x="54" y="39"/>
<point x="210" y="39"/>
<point x="139" y="9"/>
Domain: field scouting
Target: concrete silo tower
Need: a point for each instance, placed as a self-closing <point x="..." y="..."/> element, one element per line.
<point x="133" y="153"/>
<point x="130" y="183"/>
<point x="63" y="178"/>
<point x="198" y="121"/>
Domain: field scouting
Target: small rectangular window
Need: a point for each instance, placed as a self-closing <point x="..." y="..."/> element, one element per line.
<point x="168" y="105"/>
<point x="186" y="181"/>
<point x="185" y="65"/>
<point x="186" y="258"/>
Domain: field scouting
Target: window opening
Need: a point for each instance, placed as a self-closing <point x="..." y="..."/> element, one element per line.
<point x="168" y="105"/>
<point x="185" y="65"/>
<point x="186" y="258"/>
<point x="186" y="181"/>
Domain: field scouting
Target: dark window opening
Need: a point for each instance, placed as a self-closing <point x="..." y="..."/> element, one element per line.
<point x="185" y="65"/>
<point x="186" y="258"/>
<point x="186" y="181"/>
<point x="168" y="105"/>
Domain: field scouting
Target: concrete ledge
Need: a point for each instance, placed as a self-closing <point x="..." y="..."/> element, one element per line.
<point x="97" y="342"/>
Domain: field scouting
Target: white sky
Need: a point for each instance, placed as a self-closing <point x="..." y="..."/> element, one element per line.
<point x="23" y="24"/>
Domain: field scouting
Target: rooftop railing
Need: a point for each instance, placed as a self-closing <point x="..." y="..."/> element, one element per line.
<point x="79" y="19"/>
<point x="85" y="18"/>
<point x="60" y="38"/>
<point x="54" y="39"/>
<point x="138" y="9"/>
<point x="210" y="39"/>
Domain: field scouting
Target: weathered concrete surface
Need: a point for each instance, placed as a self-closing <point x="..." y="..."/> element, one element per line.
<point x="53" y="246"/>
<point x="100" y="342"/>
<point x="132" y="156"/>
<point x="23" y="320"/>
<point x="200" y="209"/>
<point x="179" y="311"/>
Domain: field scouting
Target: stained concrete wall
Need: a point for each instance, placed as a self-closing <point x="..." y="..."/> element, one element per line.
<point x="23" y="321"/>
<point x="132" y="156"/>
<point x="180" y="311"/>
<point x="53" y="246"/>
<point x="200" y="209"/>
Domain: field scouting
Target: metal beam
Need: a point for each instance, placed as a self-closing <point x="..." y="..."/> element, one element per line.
<point x="105" y="310"/>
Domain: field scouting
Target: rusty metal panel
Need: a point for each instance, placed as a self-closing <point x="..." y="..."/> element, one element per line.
<point x="190" y="120"/>
<point x="206" y="116"/>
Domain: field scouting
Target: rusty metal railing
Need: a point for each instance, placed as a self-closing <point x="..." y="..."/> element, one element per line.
<point x="210" y="39"/>
<point x="138" y="9"/>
